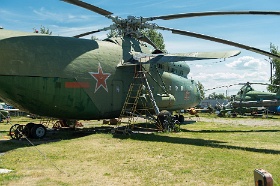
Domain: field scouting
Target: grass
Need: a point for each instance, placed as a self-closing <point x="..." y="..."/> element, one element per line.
<point x="203" y="153"/>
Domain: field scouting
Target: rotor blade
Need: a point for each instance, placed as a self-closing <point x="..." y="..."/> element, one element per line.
<point x="224" y="86"/>
<point x="265" y="84"/>
<point x="86" y="33"/>
<point x="165" y="58"/>
<point x="89" y="7"/>
<point x="218" y="40"/>
<point x="147" y="40"/>
<point x="95" y="31"/>
<point x="209" y="55"/>
<point x="214" y="13"/>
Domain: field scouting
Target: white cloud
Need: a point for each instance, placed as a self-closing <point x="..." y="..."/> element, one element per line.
<point x="246" y="63"/>
<point x="199" y="66"/>
<point x="241" y="70"/>
<point x="44" y="14"/>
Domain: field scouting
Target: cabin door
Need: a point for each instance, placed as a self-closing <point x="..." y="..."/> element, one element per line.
<point x="117" y="97"/>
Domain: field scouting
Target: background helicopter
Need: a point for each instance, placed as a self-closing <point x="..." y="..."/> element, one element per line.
<point x="249" y="100"/>
<point x="73" y="78"/>
<point x="249" y="97"/>
<point x="248" y="93"/>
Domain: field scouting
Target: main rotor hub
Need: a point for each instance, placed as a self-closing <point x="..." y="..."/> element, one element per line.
<point x="131" y="25"/>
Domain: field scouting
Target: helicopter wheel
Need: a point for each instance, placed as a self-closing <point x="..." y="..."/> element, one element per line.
<point x="38" y="131"/>
<point x="181" y="118"/>
<point x="162" y="116"/>
<point x="13" y="131"/>
<point x="27" y="129"/>
<point x="16" y="131"/>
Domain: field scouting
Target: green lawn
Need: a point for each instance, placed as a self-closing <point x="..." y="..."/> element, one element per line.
<point x="203" y="153"/>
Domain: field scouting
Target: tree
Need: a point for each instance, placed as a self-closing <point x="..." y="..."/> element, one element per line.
<point x="113" y="33"/>
<point x="94" y="38"/>
<point x="152" y="34"/>
<point x="216" y="96"/>
<point x="276" y="66"/>
<point x="156" y="37"/>
<point x="43" y="30"/>
<point x="201" y="90"/>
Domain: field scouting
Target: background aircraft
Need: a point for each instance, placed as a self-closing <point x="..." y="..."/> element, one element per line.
<point x="249" y="100"/>
<point x="249" y="97"/>
<point x="248" y="93"/>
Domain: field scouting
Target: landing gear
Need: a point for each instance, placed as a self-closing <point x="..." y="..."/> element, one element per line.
<point x="181" y="118"/>
<point x="27" y="129"/>
<point x="167" y="122"/>
<point x="30" y="130"/>
<point x="16" y="131"/>
<point x="38" y="131"/>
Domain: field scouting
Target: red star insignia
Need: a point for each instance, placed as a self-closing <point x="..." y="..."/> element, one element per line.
<point x="100" y="78"/>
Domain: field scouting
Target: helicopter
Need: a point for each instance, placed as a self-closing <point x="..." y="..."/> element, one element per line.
<point x="248" y="96"/>
<point x="248" y="93"/>
<point x="82" y="79"/>
<point x="249" y="100"/>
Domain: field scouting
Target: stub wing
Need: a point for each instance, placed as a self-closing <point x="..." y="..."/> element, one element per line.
<point x="152" y="58"/>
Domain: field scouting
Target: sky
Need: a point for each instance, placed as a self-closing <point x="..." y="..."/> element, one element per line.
<point x="259" y="31"/>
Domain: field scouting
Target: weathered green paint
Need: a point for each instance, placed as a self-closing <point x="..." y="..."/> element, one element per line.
<point x="55" y="76"/>
<point x="247" y="93"/>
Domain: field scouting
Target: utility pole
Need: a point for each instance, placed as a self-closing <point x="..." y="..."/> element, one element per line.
<point x="271" y="67"/>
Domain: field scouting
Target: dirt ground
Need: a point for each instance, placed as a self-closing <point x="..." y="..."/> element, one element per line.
<point x="249" y="121"/>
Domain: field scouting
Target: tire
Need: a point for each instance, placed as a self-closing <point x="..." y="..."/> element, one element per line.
<point x="38" y="131"/>
<point x="27" y="129"/>
<point x="181" y="119"/>
<point x="163" y="115"/>
<point x="14" y="131"/>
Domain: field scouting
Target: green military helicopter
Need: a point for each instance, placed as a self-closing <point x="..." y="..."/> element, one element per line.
<point x="248" y="93"/>
<point x="81" y="79"/>
<point x="247" y="96"/>
<point x="249" y="100"/>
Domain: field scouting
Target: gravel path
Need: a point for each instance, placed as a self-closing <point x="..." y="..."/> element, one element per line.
<point x="244" y="121"/>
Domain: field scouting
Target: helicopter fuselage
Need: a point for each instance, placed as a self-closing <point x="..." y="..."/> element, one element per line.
<point x="72" y="78"/>
<point x="247" y="93"/>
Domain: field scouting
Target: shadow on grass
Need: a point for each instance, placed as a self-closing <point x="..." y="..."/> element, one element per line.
<point x="7" y="145"/>
<point x="51" y="137"/>
<point x="193" y="141"/>
<point x="227" y="131"/>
